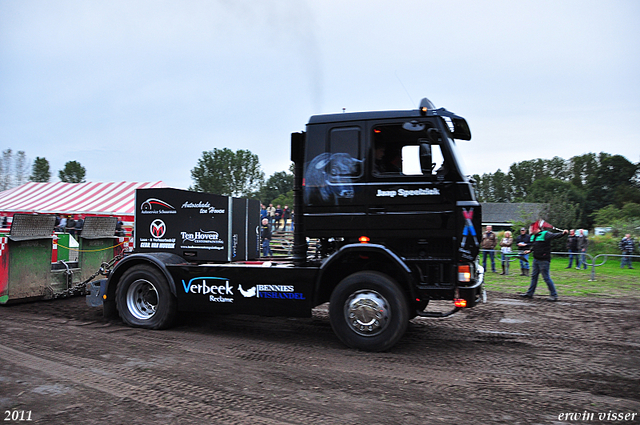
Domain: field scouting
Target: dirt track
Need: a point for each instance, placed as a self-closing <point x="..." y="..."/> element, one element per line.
<point x="507" y="362"/>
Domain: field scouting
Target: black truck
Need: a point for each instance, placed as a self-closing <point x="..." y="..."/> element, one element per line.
<point x="382" y="194"/>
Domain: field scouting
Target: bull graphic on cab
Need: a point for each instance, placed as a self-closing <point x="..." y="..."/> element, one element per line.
<point x="326" y="178"/>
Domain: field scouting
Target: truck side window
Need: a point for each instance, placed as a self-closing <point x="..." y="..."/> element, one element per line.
<point x="346" y="154"/>
<point x="387" y="159"/>
<point x="387" y="152"/>
<point x="396" y="152"/>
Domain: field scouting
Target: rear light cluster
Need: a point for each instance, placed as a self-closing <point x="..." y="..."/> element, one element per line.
<point x="464" y="273"/>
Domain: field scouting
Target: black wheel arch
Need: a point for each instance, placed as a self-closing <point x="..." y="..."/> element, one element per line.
<point x="353" y="258"/>
<point x="159" y="260"/>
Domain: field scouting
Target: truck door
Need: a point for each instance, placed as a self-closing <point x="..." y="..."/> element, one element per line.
<point x="410" y="194"/>
<point x="334" y="168"/>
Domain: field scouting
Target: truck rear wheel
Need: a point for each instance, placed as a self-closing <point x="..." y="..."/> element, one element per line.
<point x="144" y="298"/>
<point x="369" y="311"/>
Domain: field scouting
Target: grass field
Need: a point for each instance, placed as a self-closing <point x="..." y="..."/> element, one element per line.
<point x="610" y="280"/>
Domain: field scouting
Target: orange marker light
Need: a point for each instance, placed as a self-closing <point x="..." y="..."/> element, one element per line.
<point x="460" y="303"/>
<point x="364" y="239"/>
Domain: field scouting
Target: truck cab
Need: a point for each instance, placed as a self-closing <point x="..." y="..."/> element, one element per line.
<point x="393" y="180"/>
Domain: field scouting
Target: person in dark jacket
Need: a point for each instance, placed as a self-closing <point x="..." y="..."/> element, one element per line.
<point x="572" y="247"/>
<point x="79" y="225"/>
<point x="71" y="226"/>
<point x="627" y="245"/>
<point x="540" y="245"/>
<point x="286" y="216"/>
<point x="521" y="242"/>
<point x="277" y="216"/>
<point x="265" y="235"/>
<point x="583" y="244"/>
<point x="120" y="229"/>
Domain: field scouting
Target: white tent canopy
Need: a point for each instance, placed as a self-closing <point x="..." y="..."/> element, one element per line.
<point x="113" y="198"/>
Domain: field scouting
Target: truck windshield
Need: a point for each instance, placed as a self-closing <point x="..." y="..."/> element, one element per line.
<point x="411" y="159"/>
<point x="457" y="157"/>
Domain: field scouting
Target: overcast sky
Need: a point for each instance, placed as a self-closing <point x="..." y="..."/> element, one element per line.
<point x="136" y="90"/>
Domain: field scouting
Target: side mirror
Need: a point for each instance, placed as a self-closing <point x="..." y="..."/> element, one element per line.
<point x="434" y="135"/>
<point x="426" y="162"/>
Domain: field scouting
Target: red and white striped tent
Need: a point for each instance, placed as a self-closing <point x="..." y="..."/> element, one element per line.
<point x="99" y="199"/>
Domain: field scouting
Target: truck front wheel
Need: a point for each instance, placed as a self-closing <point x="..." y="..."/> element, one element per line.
<point x="144" y="299"/>
<point x="369" y="311"/>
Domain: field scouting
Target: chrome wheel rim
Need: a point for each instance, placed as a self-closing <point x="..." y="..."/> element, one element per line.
<point x="367" y="312"/>
<point x="142" y="299"/>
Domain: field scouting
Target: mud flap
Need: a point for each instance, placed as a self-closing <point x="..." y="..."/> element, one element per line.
<point x="473" y="294"/>
<point x="95" y="291"/>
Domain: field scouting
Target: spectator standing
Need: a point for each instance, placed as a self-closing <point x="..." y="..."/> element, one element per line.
<point x="265" y="235"/>
<point x="278" y="216"/>
<point x="540" y="244"/>
<point x="120" y="229"/>
<point x="79" y="225"/>
<point x="263" y="212"/>
<point x="286" y="216"/>
<point x="505" y="248"/>
<point x="271" y="212"/>
<point x="62" y="226"/>
<point x="583" y="243"/>
<point x="488" y="245"/>
<point x="521" y="242"/>
<point x="71" y="226"/>
<point x="572" y="248"/>
<point x="627" y="246"/>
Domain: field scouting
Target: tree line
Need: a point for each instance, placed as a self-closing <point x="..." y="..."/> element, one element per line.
<point x="582" y="192"/>
<point x="14" y="170"/>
